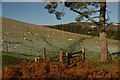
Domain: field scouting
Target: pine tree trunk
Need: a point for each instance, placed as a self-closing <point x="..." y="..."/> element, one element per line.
<point x="103" y="40"/>
<point x="103" y="47"/>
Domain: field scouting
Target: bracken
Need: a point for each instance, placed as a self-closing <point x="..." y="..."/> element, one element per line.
<point x="47" y="69"/>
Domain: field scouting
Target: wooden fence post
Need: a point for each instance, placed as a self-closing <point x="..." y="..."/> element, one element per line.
<point x="68" y="58"/>
<point x="83" y="52"/>
<point x="44" y="53"/>
<point x="61" y="56"/>
<point x="67" y="54"/>
<point x="35" y="59"/>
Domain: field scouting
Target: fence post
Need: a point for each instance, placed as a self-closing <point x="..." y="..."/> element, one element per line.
<point x="83" y="52"/>
<point x="68" y="58"/>
<point x="67" y="54"/>
<point x="44" y="53"/>
<point x="35" y="59"/>
<point x="7" y="46"/>
<point x="61" y="56"/>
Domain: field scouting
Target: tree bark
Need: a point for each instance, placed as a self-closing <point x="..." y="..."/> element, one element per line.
<point x="102" y="33"/>
<point x="103" y="47"/>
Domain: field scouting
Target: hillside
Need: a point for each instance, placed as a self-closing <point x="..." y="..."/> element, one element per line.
<point x="23" y="36"/>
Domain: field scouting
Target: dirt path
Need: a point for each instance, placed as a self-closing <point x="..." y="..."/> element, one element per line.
<point x="77" y="45"/>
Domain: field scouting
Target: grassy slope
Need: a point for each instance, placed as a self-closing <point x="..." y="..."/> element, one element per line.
<point x="52" y="39"/>
<point x="24" y="36"/>
<point x="19" y="48"/>
<point x="37" y="37"/>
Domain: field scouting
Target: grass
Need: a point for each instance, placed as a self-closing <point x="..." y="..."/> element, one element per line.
<point x="57" y="40"/>
<point x="10" y="60"/>
<point x="92" y="55"/>
<point x="27" y="55"/>
<point x="107" y="64"/>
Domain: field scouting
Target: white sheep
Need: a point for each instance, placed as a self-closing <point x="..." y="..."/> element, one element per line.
<point x="29" y="32"/>
<point x="36" y="34"/>
<point x="48" y="36"/>
<point x="13" y="26"/>
<point x="2" y="41"/>
<point x="70" y="39"/>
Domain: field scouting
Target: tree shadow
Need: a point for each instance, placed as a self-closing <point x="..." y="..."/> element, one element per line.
<point x="115" y="53"/>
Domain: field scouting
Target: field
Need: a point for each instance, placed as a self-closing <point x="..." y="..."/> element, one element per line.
<point x="25" y="41"/>
<point x="23" y="36"/>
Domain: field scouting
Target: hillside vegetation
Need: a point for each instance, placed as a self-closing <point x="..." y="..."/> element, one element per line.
<point x="89" y="29"/>
<point x="23" y="36"/>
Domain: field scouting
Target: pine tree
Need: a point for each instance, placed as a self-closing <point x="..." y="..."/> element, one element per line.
<point x="85" y="10"/>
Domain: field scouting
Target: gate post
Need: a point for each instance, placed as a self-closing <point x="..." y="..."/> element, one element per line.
<point x="44" y="53"/>
<point x="83" y="52"/>
<point x="61" y="56"/>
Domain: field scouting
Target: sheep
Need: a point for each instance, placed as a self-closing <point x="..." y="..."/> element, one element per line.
<point x="29" y="32"/>
<point x="71" y="39"/>
<point x="13" y="26"/>
<point x="7" y="33"/>
<point x="48" y="36"/>
<point x="36" y="34"/>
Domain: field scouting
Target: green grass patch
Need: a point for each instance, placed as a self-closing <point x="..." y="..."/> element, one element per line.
<point x="92" y="55"/>
<point x="108" y="64"/>
<point x="8" y="52"/>
<point x="10" y="60"/>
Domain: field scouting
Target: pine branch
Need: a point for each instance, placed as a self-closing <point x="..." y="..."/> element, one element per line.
<point x="86" y="16"/>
